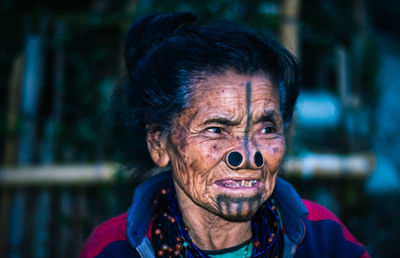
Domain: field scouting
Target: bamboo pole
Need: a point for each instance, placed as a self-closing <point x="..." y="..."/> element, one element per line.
<point x="330" y="165"/>
<point x="315" y="165"/>
<point x="30" y="93"/>
<point x="41" y="218"/>
<point x="17" y="71"/>
<point x="4" y="217"/>
<point x="57" y="175"/>
<point x="10" y="149"/>
<point x="65" y="200"/>
<point x="64" y="229"/>
<point x="290" y="26"/>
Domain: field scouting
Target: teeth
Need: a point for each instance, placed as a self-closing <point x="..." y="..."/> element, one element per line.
<point x="240" y="183"/>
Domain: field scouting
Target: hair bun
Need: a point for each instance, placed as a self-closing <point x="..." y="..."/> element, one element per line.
<point x="150" y="29"/>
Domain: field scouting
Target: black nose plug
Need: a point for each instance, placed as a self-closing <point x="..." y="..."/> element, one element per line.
<point x="258" y="159"/>
<point x="235" y="158"/>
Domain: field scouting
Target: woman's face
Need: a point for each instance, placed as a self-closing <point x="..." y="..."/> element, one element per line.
<point x="228" y="112"/>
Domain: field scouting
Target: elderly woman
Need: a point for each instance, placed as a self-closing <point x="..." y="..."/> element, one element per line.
<point x="213" y="103"/>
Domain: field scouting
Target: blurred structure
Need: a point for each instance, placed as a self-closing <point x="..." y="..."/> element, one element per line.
<point x="59" y="62"/>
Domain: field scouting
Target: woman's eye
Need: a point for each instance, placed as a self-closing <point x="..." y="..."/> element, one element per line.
<point x="269" y="129"/>
<point x="217" y="130"/>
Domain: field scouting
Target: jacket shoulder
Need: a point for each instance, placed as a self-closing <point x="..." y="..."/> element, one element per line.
<point x="326" y="236"/>
<point x="318" y="212"/>
<point x="105" y="234"/>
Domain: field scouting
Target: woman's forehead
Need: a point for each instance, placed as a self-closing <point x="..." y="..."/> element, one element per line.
<point x="233" y="88"/>
<point x="233" y="95"/>
<point x="228" y="77"/>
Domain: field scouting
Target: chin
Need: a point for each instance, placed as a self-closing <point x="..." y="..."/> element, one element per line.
<point x="238" y="218"/>
<point x="236" y="212"/>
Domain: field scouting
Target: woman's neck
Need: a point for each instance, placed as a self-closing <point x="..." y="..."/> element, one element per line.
<point x="209" y="231"/>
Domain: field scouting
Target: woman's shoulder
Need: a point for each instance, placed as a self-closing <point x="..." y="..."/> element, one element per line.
<point x="318" y="212"/>
<point x="325" y="233"/>
<point x="106" y="238"/>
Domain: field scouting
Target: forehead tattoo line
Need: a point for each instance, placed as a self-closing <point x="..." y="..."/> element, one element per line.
<point x="248" y="118"/>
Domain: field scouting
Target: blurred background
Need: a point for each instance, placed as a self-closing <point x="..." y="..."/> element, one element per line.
<point x="59" y="157"/>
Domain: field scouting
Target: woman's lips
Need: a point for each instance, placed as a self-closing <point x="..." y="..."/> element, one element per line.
<point x="238" y="183"/>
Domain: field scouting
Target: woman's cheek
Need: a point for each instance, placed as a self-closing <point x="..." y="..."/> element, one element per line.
<point x="179" y="169"/>
<point x="274" y="152"/>
<point x="190" y="168"/>
<point x="209" y="154"/>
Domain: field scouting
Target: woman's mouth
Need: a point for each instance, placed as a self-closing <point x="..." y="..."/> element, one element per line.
<point x="233" y="184"/>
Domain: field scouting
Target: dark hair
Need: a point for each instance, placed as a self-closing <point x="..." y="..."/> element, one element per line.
<point x="164" y="51"/>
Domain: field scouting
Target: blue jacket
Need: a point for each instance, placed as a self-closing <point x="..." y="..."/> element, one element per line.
<point x="310" y="230"/>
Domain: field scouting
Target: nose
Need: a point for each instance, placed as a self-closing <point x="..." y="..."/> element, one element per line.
<point x="237" y="160"/>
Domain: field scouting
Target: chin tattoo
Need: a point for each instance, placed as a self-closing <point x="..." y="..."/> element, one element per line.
<point x="238" y="208"/>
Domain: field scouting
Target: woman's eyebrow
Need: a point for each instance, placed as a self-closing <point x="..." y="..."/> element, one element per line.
<point x="268" y="116"/>
<point x="220" y="120"/>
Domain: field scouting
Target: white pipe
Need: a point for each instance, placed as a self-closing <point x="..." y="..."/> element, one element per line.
<point x="309" y="165"/>
<point x="58" y="175"/>
<point x="330" y="165"/>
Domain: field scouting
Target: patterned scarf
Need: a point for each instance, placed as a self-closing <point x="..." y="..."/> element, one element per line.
<point x="170" y="237"/>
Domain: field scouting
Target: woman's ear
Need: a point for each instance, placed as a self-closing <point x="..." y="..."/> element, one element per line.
<point x="157" y="146"/>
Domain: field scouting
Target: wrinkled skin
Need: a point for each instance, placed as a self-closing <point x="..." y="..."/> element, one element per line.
<point x="228" y="112"/>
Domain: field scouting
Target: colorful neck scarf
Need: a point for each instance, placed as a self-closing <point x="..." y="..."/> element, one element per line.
<point x="170" y="237"/>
